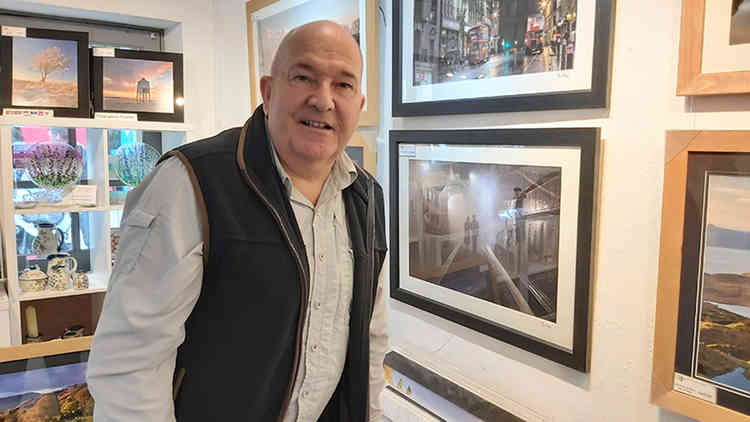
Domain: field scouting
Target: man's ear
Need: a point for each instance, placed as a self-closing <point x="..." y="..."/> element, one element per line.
<point x="265" y="92"/>
<point x="362" y="104"/>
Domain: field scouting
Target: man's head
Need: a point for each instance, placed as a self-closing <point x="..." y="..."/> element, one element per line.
<point x="313" y="97"/>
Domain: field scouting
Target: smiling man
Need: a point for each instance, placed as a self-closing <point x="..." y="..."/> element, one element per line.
<point x="250" y="263"/>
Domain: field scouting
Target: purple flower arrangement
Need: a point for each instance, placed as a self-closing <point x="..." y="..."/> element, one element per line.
<point x="54" y="165"/>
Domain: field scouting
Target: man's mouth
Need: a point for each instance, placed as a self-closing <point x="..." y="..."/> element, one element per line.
<point x="316" y="124"/>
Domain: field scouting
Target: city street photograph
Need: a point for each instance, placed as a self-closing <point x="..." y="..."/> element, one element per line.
<point x="456" y="40"/>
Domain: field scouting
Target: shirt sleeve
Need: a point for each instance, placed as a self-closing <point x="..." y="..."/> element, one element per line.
<point x="378" y="346"/>
<point x="152" y="290"/>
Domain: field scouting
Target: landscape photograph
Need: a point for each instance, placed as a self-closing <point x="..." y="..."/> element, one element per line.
<point x="58" y="393"/>
<point x="723" y="340"/>
<point x="45" y="73"/>
<point x="739" y="28"/>
<point x="490" y="231"/>
<point x="137" y="85"/>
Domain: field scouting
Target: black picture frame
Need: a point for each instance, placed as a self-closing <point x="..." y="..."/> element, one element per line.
<point x="596" y="96"/>
<point x="82" y="62"/>
<point x="97" y="69"/>
<point x="582" y="147"/>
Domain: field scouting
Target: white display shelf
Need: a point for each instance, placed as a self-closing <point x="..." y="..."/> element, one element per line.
<point x="93" y="123"/>
<point x="97" y="284"/>
<point x="51" y="209"/>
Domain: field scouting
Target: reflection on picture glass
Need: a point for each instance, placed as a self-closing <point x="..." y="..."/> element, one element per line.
<point x="740" y="25"/>
<point x="137" y="85"/>
<point x="45" y="73"/>
<point x="723" y="341"/>
<point x="487" y="230"/>
<point x="479" y="39"/>
<point x="58" y="393"/>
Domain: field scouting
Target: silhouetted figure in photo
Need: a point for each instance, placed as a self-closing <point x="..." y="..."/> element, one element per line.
<point x="474" y="232"/>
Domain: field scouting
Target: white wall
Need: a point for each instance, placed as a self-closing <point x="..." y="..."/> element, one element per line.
<point x="643" y="106"/>
<point x="194" y="38"/>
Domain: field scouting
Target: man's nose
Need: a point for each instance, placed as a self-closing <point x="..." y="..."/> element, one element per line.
<point x="322" y="98"/>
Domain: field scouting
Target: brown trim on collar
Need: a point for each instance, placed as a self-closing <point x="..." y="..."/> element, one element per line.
<point x="199" y="198"/>
<point x="241" y="147"/>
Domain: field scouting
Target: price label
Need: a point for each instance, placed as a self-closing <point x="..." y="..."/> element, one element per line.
<point x="116" y="116"/>
<point x="27" y="112"/>
<point x="13" y="31"/>
<point x="104" y="52"/>
<point x="407" y="150"/>
<point x="694" y="387"/>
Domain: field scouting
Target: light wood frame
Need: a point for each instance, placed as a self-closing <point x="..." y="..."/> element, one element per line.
<point x="369" y="117"/>
<point x="690" y="77"/>
<point x="47" y="348"/>
<point x="678" y="145"/>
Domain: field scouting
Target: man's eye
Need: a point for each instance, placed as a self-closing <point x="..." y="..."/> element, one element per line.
<point x="301" y="78"/>
<point x="346" y="85"/>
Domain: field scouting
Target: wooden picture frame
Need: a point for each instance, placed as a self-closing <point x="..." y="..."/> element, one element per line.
<point x="58" y="53"/>
<point x="564" y="65"/>
<point x="273" y="8"/>
<point x="105" y="104"/>
<point x="519" y="269"/>
<point x="692" y="78"/>
<point x="691" y="160"/>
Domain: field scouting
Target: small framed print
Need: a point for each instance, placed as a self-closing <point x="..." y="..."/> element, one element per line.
<point x="715" y="58"/>
<point x="492" y="229"/>
<point x="45" y="69"/>
<point x="701" y="339"/>
<point x="146" y="83"/>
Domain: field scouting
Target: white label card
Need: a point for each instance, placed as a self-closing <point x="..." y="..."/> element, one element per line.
<point x="116" y="116"/>
<point x="407" y="150"/>
<point x="13" y="31"/>
<point x="695" y="388"/>
<point x="84" y="195"/>
<point x="104" y="52"/>
<point x="27" y="112"/>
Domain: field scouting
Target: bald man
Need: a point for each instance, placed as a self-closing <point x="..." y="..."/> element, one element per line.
<point x="249" y="282"/>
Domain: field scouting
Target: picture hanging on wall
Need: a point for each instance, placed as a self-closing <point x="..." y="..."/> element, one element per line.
<point x="268" y="21"/>
<point x="147" y="83"/>
<point x="498" y="56"/>
<point x="45" y="69"/>
<point x="702" y="340"/>
<point x="715" y="58"/>
<point x="492" y="229"/>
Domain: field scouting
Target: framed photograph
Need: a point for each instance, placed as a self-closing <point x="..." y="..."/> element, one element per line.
<point x="701" y="339"/>
<point x="715" y="58"/>
<point x="481" y="56"/>
<point x="269" y="20"/>
<point x="46" y="381"/>
<point x="45" y="69"/>
<point x="147" y="83"/>
<point x="492" y="229"/>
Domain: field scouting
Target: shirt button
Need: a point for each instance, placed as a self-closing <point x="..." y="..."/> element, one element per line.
<point x="322" y="257"/>
<point x="316" y="305"/>
<point x="305" y="394"/>
<point x="314" y="347"/>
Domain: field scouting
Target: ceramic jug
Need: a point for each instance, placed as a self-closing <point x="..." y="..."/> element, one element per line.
<point x="60" y="268"/>
<point x="49" y="240"/>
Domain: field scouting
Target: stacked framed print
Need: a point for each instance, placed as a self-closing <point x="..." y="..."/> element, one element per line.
<point x="702" y="339"/>
<point x="715" y="58"/>
<point x="44" y="69"/>
<point x="268" y="21"/>
<point x="492" y="229"/>
<point x="146" y="83"/>
<point x="500" y="56"/>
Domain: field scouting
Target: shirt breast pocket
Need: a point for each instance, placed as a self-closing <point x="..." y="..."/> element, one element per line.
<point x="135" y="231"/>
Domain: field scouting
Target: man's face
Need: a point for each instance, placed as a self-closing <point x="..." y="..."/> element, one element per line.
<point x="313" y="100"/>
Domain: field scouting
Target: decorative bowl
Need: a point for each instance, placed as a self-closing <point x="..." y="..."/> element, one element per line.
<point x="54" y="165"/>
<point x="133" y="162"/>
<point x="32" y="279"/>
